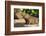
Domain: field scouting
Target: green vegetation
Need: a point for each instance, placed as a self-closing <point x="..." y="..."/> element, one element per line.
<point x="32" y="12"/>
